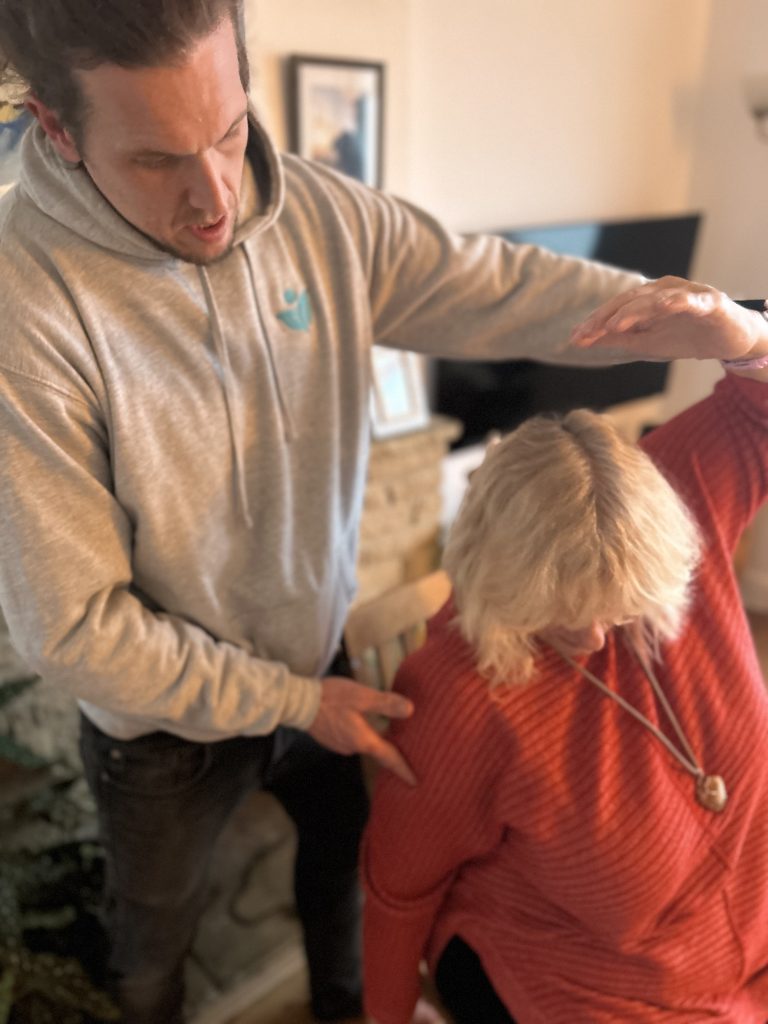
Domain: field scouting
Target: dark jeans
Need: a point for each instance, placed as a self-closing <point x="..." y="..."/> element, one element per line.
<point x="163" y="801"/>
<point x="465" y="989"/>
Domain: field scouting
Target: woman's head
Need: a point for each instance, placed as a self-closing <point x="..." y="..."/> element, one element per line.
<point x="566" y="525"/>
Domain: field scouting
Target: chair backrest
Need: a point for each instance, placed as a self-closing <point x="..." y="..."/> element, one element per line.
<point x="380" y="632"/>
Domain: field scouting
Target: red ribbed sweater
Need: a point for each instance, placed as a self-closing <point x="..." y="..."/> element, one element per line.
<point x="555" y="834"/>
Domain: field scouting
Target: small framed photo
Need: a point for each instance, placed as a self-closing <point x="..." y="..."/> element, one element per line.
<point x="399" y="393"/>
<point x="336" y="114"/>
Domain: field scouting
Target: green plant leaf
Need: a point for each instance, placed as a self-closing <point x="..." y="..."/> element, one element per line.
<point x="7" y="980"/>
<point x="49" y="919"/>
<point x="20" y="755"/>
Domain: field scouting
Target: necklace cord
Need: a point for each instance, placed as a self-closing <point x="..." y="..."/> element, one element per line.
<point x="689" y="763"/>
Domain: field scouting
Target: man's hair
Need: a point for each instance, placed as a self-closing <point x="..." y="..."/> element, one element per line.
<point x="42" y="42"/>
<point x="566" y="523"/>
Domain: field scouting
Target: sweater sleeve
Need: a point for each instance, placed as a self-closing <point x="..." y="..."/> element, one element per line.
<point x="419" y="838"/>
<point x="716" y="456"/>
<point x="467" y="296"/>
<point x="67" y="592"/>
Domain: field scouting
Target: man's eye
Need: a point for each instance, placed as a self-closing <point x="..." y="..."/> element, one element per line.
<point x="235" y="130"/>
<point x="152" y="162"/>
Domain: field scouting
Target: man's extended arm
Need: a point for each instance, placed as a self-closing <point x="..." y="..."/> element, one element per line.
<point x="461" y="296"/>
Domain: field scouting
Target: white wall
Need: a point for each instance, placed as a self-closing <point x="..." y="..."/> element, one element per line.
<point x="528" y="111"/>
<point x="731" y="162"/>
<point x="730" y="170"/>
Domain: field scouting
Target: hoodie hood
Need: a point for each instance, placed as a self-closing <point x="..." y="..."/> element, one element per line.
<point x="66" y="192"/>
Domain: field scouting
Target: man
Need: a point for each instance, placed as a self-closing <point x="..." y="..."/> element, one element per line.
<point x="184" y="387"/>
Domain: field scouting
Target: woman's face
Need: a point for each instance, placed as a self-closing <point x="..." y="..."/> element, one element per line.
<point x="575" y="642"/>
<point x="586" y="640"/>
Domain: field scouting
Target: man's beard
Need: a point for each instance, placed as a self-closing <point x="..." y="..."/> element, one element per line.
<point x="177" y="253"/>
<point x="200" y="261"/>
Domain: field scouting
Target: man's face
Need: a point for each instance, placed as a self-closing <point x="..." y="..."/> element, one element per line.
<point x="166" y="145"/>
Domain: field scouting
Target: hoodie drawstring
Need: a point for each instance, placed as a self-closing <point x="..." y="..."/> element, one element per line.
<point x="289" y="429"/>
<point x="228" y="388"/>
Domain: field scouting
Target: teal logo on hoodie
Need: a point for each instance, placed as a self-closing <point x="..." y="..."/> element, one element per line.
<point x="298" y="316"/>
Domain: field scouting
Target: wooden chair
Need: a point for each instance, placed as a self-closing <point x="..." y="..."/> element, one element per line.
<point x="380" y="632"/>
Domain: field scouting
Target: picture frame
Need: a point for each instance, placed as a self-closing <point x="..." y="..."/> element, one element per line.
<point x="336" y="114"/>
<point x="399" y="401"/>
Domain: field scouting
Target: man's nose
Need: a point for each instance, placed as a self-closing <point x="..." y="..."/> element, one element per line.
<point x="206" y="190"/>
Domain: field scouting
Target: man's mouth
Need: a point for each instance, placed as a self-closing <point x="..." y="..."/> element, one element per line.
<point x="210" y="232"/>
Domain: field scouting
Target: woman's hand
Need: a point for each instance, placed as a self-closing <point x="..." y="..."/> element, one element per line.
<point x="675" y="319"/>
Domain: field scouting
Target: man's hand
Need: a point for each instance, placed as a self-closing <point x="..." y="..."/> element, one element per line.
<point x="675" y="319"/>
<point x="342" y="723"/>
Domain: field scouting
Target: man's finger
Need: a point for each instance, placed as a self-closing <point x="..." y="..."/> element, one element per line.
<point x="389" y="757"/>
<point x="635" y="317"/>
<point x="391" y="705"/>
<point x="647" y="310"/>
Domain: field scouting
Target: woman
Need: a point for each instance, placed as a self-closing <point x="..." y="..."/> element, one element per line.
<point x="588" y="840"/>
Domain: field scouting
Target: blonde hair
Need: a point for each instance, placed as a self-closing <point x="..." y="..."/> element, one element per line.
<point x="565" y="523"/>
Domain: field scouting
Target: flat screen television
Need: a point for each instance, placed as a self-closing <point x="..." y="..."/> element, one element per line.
<point x="489" y="396"/>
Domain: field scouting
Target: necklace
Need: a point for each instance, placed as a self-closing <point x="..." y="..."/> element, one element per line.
<point x="710" y="789"/>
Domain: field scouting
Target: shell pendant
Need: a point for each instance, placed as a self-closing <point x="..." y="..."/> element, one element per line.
<point x="711" y="792"/>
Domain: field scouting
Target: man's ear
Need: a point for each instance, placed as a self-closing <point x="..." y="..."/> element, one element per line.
<point x="62" y="140"/>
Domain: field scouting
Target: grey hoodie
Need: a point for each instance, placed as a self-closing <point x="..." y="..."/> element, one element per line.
<point x="183" y="449"/>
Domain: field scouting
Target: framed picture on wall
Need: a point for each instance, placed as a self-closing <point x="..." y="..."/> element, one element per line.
<point x="399" y="393"/>
<point x="336" y="114"/>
